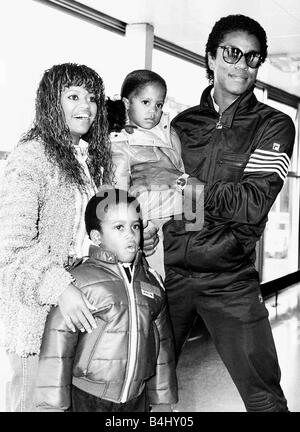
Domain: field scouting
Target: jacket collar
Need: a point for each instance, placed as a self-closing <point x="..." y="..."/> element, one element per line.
<point x="101" y="254"/>
<point x="246" y="100"/>
<point x="158" y="136"/>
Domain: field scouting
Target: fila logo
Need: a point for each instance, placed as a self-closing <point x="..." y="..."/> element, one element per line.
<point x="276" y="146"/>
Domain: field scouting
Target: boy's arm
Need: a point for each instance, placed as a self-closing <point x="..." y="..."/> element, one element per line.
<point x="54" y="379"/>
<point x="162" y="388"/>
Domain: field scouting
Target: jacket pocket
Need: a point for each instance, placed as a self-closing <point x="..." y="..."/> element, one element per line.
<point x="157" y="340"/>
<point x="230" y="166"/>
<point x="87" y="344"/>
<point x="215" y="250"/>
<point x="151" y="350"/>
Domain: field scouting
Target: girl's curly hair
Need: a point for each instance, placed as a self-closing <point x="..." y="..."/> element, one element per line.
<point x="230" y="24"/>
<point x="50" y="127"/>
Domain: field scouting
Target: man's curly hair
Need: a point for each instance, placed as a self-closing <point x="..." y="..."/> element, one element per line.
<point x="50" y="128"/>
<point x="230" y="24"/>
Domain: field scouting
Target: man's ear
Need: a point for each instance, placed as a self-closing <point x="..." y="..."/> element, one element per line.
<point x="211" y="61"/>
<point x="95" y="236"/>
<point x="126" y="102"/>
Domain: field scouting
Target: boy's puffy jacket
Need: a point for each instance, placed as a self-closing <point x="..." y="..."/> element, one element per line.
<point x="131" y="346"/>
<point x="242" y="158"/>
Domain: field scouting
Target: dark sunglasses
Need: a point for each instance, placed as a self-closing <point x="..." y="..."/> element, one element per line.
<point x="233" y="55"/>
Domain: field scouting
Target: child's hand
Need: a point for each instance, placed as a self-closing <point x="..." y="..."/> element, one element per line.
<point x="150" y="238"/>
<point x="75" y="309"/>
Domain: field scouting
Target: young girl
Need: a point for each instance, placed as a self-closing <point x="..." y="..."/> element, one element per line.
<point x="49" y="177"/>
<point x="128" y="362"/>
<point x="141" y="133"/>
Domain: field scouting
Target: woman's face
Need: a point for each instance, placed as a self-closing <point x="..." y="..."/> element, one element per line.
<point x="80" y="109"/>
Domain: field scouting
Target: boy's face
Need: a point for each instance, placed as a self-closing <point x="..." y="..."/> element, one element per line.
<point x="120" y="232"/>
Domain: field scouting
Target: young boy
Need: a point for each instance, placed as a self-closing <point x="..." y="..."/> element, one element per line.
<point x="127" y="362"/>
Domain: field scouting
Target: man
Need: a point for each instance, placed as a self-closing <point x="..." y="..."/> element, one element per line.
<point x="240" y="150"/>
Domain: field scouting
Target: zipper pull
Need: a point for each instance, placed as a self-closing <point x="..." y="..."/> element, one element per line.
<point x="219" y="124"/>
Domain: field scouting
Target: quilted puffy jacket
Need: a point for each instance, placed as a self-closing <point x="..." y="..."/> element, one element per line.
<point x="131" y="347"/>
<point x="242" y="158"/>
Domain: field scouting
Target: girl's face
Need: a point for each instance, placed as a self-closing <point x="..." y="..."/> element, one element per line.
<point x="80" y="109"/>
<point x="145" y="108"/>
<point x="120" y="231"/>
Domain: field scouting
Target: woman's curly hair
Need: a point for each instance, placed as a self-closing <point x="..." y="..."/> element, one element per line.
<point x="50" y="128"/>
<point x="230" y="24"/>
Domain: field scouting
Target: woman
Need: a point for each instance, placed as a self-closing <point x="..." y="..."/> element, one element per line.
<point x="50" y="176"/>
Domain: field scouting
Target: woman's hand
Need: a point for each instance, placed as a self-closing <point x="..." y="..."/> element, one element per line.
<point x="75" y="309"/>
<point x="150" y="238"/>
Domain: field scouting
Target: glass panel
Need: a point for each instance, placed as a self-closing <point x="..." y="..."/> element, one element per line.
<point x="47" y="37"/>
<point x="182" y="93"/>
<point x="281" y="236"/>
<point x="280" y="241"/>
<point x="259" y="93"/>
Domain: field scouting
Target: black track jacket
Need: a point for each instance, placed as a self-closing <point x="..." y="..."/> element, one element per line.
<point x="242" y="157"/>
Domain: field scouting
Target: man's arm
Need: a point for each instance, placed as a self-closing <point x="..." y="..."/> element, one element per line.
<point x="249" y="201"/>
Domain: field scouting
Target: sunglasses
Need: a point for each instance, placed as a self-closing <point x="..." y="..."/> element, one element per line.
<point x="233" y="55"/>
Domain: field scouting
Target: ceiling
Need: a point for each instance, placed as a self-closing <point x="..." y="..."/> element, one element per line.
<point x="187" y="23"/>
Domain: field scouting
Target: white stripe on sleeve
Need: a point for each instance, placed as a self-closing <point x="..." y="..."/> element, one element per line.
<point x="268" y="161"/>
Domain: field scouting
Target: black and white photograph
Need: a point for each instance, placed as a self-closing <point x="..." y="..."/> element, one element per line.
<point x="150" y="209"/>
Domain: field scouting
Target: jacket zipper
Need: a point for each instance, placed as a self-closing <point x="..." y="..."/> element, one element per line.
<point x="219" y="123"/>
<point x="132" y="337"/>
<point x="218" y="126"/>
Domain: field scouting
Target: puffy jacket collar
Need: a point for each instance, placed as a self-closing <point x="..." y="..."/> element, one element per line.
<point x="244" y="101"/>
<point x="99" y="253"/>
<point x="158" y="136"/>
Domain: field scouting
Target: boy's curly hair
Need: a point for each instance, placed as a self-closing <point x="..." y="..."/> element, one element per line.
<point x="50" y="128"/>
<point x="230" y="24"/>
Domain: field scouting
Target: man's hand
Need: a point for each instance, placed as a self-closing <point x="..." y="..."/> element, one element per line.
<point x="75" y="309"/>
<point x="150" y="238"/>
